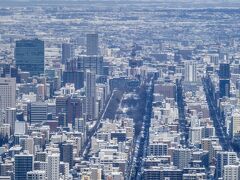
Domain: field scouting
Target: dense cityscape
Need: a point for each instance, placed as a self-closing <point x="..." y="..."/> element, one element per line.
<point x="115" y="90"/>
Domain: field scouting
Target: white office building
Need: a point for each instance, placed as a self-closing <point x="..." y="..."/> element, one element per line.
<point x="53" y="166"/>
<point x="91" y="94"/>
<point x="190" y="71"/>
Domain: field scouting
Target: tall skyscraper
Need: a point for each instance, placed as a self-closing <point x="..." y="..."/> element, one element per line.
<point x="23" y="164"/>
<point x="224" y="80"/>
<point x="76" y="108"/>
<point x="80" y="125"/>
<point x="7" y="95"/>
<point x="235" y="123"/>
<point x="66" y="154"/>
<point x="67" y="52"/>
<point x="53" y="166"/>
<point x="90" y="94"/>
<point x="92" y="44"/>
<point x="224" y="71"/>
<point x="190" y="71"/>
<point x="224" y="87"/>
<point x="93" y="63"/>
<point x="8" y="92"/>
<point x="61" y="104"/>
<point x="29" y="56"/>
<point x="73" y="75"/>
<point x="11" y="118"/>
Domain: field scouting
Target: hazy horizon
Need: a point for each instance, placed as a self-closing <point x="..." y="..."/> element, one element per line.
<point x="161" y="3"/>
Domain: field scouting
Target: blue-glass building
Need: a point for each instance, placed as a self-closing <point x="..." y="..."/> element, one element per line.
<point x="224" y="80"/>
<point x="29" y="56"/>
<point x="23" y="164"/>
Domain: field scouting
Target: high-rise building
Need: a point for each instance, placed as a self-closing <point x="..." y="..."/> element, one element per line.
<point x="11" y="118"/>
<point x="20" y="128"/>
<point x="7" y="93"/>
<point x="53" y="166"/>
<point x="90" y="94"/>
<point x="235" y="123"/>
<point x="214" y="59"/>
<point x="181" y="158"/>
<point x="231" y="172"/>
<point x="8" y="70"/>
<point x="6" y="168"/>
<point x="224" y="158"/>
<point x="224" y="87"/>
<point x="62" y="120"/>
<point x="64" y="169"/>
<point x="93" y="63"/>
<point x="195" y="135"/>
<point x="61" y="104"/>
<point x="157" y="149"/>
<point x="224" y="80"/>
<point x="67" y="52"/>
<point x="92" y="44"/>
<point x="66" y="154"/>
<point x="36" y="175"/>
<point x="72" y="74"/>
<point x="224" y="71"/>
<point x="29" y="56"/>
<point x="70" y="107"/>
<point x="42" y="166"/>
<point x="76" y="108"/>
<point x="5" y="130"/>
<point x="190" y="71"/>
<point x="27" y="143"/>
<point x="80" y="125"/>
<point x="75" y="77"/>
<point x="38" y="112"/>
<point x="23" y="164"/>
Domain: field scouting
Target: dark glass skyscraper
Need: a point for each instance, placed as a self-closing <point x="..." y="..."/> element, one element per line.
<point x="73" y="75"/>
<point x="66" y="153"/>
<point x="93" y="63"/>
<point x="75" y="108"/>
<point x="224" y="71"/>
<point x="29" y="56"/>
<point x="66" y="52"/>
<point x="224" y="87"/>
<point x="224" y="80"/>
<point x="92" y="44"/>
<point x="23" y="164"/>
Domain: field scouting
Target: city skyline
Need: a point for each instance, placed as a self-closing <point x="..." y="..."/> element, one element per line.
<point x="119" y="90"/>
